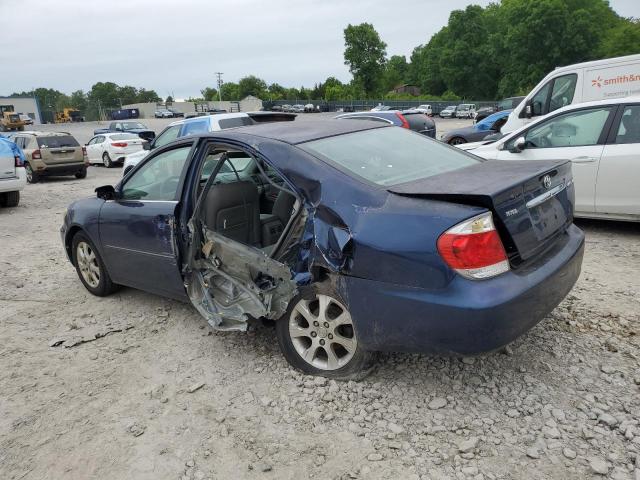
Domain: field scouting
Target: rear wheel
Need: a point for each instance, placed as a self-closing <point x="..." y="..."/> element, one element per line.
<point x="10" y="199"/>
<point x="106" y="160"/>
<point x="317" y="335"/>
<point x="457" y="141"/>
<point x="32" y="177"/>
<point x="82" y="173"/>
<point x="90" y="267"/>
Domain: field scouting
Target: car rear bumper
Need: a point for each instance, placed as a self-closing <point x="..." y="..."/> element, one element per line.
<point x="467" y="317"/>
<point x="14" y="184"/>
<point x="64" y="169"/>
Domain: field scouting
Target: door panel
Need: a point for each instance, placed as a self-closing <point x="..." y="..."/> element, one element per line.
<point x="139" y="245"/>
<point x="617" y="188"/>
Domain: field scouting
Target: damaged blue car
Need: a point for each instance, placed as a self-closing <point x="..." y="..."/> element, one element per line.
<point x="353" y="236"/>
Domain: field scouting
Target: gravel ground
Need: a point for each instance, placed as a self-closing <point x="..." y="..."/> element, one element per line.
<point x="137" y="386"/>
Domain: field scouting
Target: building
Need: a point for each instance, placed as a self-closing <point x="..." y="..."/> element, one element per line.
<point x="24" y="105"/>
<point x="407" y="88"/>
<point x="247" y="104"/>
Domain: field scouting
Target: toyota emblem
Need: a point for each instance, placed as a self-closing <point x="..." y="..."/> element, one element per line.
<point x="546" y="181"/>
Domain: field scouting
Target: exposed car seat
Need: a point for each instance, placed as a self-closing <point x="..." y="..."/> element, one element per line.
<point x="233" y="209"/>
<point x="631" y="125"/>
<point x="273" y="223"/>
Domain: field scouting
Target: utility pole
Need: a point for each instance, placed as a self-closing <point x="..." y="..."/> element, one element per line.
<point x="219" y="75"/>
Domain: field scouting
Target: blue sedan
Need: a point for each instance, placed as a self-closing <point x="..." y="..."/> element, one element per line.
<point x="353" y="236"/>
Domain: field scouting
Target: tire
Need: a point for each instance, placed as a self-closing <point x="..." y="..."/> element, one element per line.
<point x="106" y="160"/>
<point x="11" y="199"/>
<point x="32" y="177"/>
<point x="457" y="141"/>
<point x="330" y="356"/>
<point x="81" y="174"/>
<point x="90" y="267"/>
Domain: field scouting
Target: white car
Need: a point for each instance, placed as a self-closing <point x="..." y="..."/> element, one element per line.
<point x="424" y="109"/>
<point x="13" y="177"/>
<point x="602" y="140"/>
<point x="163" y="114"/>
<point x="111" y="148"/>
<point x="466" y="110"/>
<point x="207" y="123"/>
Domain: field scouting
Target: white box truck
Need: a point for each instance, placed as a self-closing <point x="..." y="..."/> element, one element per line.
<point x="583" y="82"/>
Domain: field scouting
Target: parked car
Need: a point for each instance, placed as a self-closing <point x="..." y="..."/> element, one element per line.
<point x="483" y="113"/>
<point x="176" y="113"/>
<point x="286" y="107"/>
<point x="309" y="108"/>
<point x="163" y="114"/>
<point x="51" y="154"/>
<point x="465" y="110"/>
<point x="509" y="103"/>
<point x="122" y="114"/>
<point x="474" y="133"/>
<point x="601" y="140"/>
<point x="276" y="108"/>
<point x="448" y="112"/>
<point x="353" y="237"/>
<point x="209" y="123"/>
<point x="130" y="127"/>
<point x="411" y="119"/>
<point x="26" y="119"/>
<point x="297" y="108"/>
<point x="13" y="177"/>
<point x="573" y="84"/>
<point x="380" y="108"/>
<point x="111" y="148"/>
<point x="425" y="109"/>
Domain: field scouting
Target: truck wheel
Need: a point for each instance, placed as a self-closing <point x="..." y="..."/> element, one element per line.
<point x="82" y="173"/>
<point x="317" y="336"/>
<point x="32" y="177"/>
<point x="11" y="199"/>
<point x="106" y="160"/>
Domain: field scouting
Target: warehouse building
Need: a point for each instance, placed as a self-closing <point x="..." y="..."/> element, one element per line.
<point x="25" y="105"/>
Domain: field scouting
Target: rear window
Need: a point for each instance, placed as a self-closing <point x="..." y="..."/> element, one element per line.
<point x="389" y="156"/>
<point x="57" y="141"/>
<point x="124" y="136"/>
<point x="235" y="122"/>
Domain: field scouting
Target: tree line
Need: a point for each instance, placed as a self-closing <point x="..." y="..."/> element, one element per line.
<point x="482" y="53"/>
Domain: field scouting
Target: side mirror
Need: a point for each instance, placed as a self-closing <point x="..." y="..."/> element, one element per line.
<point x="528" y="110"/>
<point x="518" y="145"/>
<point x="146" y="146"/>
<point x="106" y="192"/>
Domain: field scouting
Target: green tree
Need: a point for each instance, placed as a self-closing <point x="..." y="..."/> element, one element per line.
<point x="127" y="95"/>
<point x="623" y="39"/>
<point x="229" y="91"/>
<point x="146" y="96"/>
<point x="169" y="99"/>
<point x="209" y="93"/>
<point x="252" y="85"/>
<point x="79" y="100"/>
<point x="365" y="54"/>
<point x="276" y="91"/>
<point x="396" y="72"/>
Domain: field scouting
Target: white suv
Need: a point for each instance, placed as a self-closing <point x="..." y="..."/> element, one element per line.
<point x="208" y="123"/>
<point x="13" y="177"/>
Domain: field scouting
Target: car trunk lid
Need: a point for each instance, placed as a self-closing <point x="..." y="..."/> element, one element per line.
<point x="57" y="150"/>
<point x="532" y="202"/>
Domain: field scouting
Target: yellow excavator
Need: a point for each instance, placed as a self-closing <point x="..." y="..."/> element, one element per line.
<point x="68" y="115"/>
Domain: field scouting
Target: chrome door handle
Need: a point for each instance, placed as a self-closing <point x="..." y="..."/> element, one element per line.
<point x="584" y="159"/>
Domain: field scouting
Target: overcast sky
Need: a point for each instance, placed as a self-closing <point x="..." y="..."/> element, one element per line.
<point x="174" y="47"/>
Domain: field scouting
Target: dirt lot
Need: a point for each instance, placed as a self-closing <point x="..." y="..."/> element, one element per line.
<point x="160" y="396"/>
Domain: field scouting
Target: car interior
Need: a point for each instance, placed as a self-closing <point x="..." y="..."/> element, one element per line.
<point x="246" y="201"/>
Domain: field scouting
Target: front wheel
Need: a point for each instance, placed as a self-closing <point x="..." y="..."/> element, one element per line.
<point x="317" y="336"/>
<point x="457" y="141"/>
<point x="90" y="267"/>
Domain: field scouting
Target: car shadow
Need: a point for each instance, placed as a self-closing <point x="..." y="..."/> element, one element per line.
<point x="615" y="227"/>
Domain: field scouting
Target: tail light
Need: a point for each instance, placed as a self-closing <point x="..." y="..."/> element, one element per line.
<point x="405" y="124"/>
<point x="19" y="162"/>
<point x="473" y="248"/>
<point x="120" y="144"/>
<point x="85" y="157"/>
<point x="84" y="151"/>
<point x="36" y="155"/>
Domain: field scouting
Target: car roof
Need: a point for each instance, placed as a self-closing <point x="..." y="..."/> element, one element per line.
<point x="301" y="132"/>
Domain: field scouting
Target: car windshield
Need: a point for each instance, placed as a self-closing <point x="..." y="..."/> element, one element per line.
<point x="132" y="125"/>
<point x="57" y="141"/>
<point x="123" y="136"/>
<point x="389" y="156"/>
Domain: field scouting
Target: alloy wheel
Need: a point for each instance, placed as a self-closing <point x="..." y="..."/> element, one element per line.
<point x="322" y="332"/>
<point x="106" y="160"/>
<point x="456" y="141"/>
<point x="29" y="173"/>
<point x="88" y="264"/>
